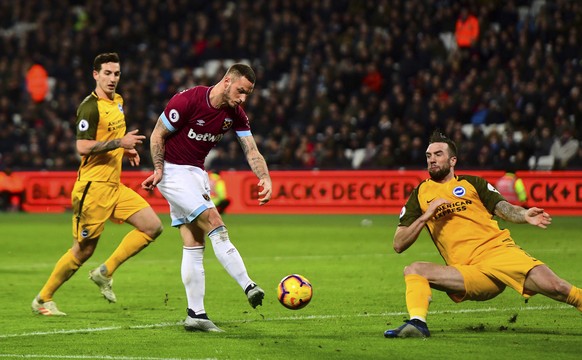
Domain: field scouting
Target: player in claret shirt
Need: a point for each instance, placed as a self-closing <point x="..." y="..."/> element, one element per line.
<point x="481" y="259"/>
<point x="190" y="126"/>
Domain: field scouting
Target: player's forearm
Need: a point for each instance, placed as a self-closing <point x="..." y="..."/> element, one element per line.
<point x="92" y="147"/>
<point x="158" y="145"/>
<point x="511" y="213"/>
<point x="405" y="236"/>
<point x="157" y="151"/>
<point x="258" y="165"/>
<point x="254" y="158"/>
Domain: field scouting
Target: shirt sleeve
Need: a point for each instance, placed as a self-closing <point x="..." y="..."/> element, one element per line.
<point x="411" y="210"/>
<point x="242" y="125"/>
<point x="87" y="120"/>
<point x="177" y="112"/>
<point x="487" y="192"/>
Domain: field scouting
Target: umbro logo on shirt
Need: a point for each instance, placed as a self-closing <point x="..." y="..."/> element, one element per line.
<point x="200" y="122"/>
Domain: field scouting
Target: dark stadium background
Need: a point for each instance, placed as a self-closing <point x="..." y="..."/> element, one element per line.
<point x="341" y="84"/>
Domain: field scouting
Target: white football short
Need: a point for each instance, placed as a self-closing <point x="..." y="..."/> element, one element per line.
<point x="187" y="190"/>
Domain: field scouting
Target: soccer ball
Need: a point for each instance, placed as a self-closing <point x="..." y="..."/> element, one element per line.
<point x="294" y="292"/>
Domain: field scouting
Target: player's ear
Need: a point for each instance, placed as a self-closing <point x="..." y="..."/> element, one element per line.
<point x="453" y="161"/>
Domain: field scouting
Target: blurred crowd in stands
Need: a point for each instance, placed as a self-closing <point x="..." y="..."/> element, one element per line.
<point x="341" y="84"/>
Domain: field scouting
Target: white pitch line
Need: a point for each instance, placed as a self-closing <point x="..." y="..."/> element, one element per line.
<point x="75" y="331"/>
<point x="285" y="318"/>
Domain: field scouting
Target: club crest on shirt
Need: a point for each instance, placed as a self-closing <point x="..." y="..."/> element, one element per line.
<point x="227" y="124"/>
<point x="206" y="197"/>
<point x="120" y="107"/>
<point x="459" y="191"/>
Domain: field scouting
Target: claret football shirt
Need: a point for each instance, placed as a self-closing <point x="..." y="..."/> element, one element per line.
<point x="197" y="126"/>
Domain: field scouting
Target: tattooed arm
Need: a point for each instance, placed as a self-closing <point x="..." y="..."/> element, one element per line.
<point x="157" y="150"/>
<point x="258" y="166"/>
<point x="92" y="147"/>
<point x="158" y="145"/>
<point x="511" y="213"/>
<point x="517" y="214"/>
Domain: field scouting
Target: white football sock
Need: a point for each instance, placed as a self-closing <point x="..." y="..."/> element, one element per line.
<point x="193" y="277"/>
<point x="229" y="257"/>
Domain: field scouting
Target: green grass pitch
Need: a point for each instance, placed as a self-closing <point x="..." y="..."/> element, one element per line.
<point x="358" y="293"/>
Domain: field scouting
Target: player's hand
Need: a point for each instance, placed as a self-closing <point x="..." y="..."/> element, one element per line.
<point x="266" y="192"/>
<point x="434" y="204"/>
<point x="152" y="180"/>
<point x="133" y="156"/>
<point x="131" y="139"/>
<point x="538" y="217"/>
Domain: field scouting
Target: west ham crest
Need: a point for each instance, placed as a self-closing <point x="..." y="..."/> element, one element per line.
<point x="227" y="124"/>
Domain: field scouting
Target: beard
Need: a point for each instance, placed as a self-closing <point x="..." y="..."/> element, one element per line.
<point x="227" y="99"/>
<point x="440" y="174"/>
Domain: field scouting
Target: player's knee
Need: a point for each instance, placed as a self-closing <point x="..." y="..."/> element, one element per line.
<point x="155" y="229"/>
<point x="417" y="271"/>
<point x="83" y="252"/>
<point x="213" y="219"/>
<point x="413" y="269"/>
<point x="152" y="227"/>
<point x="83" y="255"/>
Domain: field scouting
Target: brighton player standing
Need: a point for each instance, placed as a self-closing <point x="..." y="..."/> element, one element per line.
<point x="189" y="127"/>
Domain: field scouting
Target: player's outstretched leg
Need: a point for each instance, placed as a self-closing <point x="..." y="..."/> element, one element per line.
<point x="232" y="262"/>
